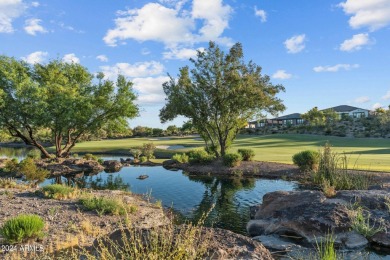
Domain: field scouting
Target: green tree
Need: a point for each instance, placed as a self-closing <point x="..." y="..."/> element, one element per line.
<point x="219" y="95"/>
<point x="64" y="98"/>
<point x="172" y="130"/>
<point x="315" y="117"/>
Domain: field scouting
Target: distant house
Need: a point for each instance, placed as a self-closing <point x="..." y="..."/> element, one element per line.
<point x="291" y="119"/>
<point x="350" y="111"/>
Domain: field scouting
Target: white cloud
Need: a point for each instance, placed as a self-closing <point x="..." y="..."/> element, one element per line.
<point x="9" y="11"/>
<point x="145" y="51"/>
<point x="181" y="54"/>
<point x="71" y="58"/>
<point x="36" y="57"/>
<point x="150" y="89"/>
<point x="32" y="26"/>
<point x="281" y="74"/>
<point x="295" y="44"/>
<point x="35" y="4"/>
<point x="102" y="58"/>
<point x="356" y="42"/>
<point x="361" y="100"/>
<point x="262" y="14"/>
<point x="136" y="70"/>
<point x="386" y="96"/>
<point x="172" y="26"/>
<point x="335" y="68"/>
<point x="376" y="105"/>
<point x="374" y="14"/>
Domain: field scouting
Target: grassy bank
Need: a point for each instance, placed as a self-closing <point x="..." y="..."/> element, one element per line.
<point x="369" y="154"/>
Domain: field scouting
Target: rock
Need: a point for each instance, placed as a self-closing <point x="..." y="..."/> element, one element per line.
<point x="381" y="239"/>
<point x="112" y="165"/>
<point x="142" y="177"/>
<point x="68" y="166"/>
<point x="351" y="240"/>
<point x="274" y="242"/>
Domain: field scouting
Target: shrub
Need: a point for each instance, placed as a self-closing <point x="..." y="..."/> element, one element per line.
<point x="199" y="156"/>
<point x="306" y="160"/>
<point x="100" y="161"/>
<point x="33" y="174"/>
<point x="59" y="192"/>
<point x="247" y="154"/>
<point x="22" y="227"/>
<point x="11" y="166"/>
<point x="143" y="159"/>
<point x="102" y="205"/>
<point x="232" y="159"/>
<point x="181" y="157"/>
<point x="361" y="223"/>
<point x="148" y="150"/>
<point x="89" y="156"/>
<point x="136" y="153"/>
<point x="8" y="183"/>
<point x="34" y="154"/>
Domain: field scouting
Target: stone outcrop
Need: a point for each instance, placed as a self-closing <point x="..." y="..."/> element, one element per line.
<point x="70" y="166"/>
<point x="112" y="165"/>
<point x="308" y="216"/>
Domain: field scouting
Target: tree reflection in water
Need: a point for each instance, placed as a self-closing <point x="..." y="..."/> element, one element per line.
<point x="96" y="183"/>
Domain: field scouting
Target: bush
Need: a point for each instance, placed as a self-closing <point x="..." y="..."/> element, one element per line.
<point x="22" y="227"/>
<point x="8" y="183"/>
<point x="199" y="156"/>
<point x="102" y="205"/>
<point x="148" y="150"/>
<point x="100" y="161"/>
<point x="247" y="154"/>
<point x="136" y="153"/>
<point x="181" y="157"/>
<point x="306" y="160"/>
<point x="59" y="192"/>
<point x="232" y="159"/>
<point x="34" y="154"/>
<point x="33" y="174"/>
<point x="89" y="156"/>
<point x="143" y="159"/>
<point x="11" y="166"/>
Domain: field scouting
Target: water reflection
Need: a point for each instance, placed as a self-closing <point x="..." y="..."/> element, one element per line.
<point x="12" y="152"/>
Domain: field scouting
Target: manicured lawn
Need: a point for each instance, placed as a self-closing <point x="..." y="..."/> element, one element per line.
<point x="366" y="153"/>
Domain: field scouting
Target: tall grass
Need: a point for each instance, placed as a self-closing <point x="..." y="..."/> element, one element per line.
<point x="22" y="227"/>
<point x="60" y="192"/>
<point x="362" y="223"/>
<point x="326" y="249"/>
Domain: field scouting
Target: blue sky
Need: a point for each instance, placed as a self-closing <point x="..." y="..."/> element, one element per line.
<point x="325" y="53"/>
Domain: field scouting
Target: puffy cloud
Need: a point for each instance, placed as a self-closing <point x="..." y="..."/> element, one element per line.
<point x="181" y="54"/>
<point x="139" y="69"/>
<point x="173" y="26"/>
<point x="361" y="100"/>
<point x="102" y="58"/>
<point x="71" y="58"/>
<point x="295" y="44"/>
<point x="150" y="89"/>
<point x="32" y="26"/>
<point x="335" y="68"/>
<point x="282" y="74"/>
<point x="376" y="105"/>
<point x="36" y="57"/>
<point x="10" y="10"/>
<point x="262" y="14"/>
<point x="386" y="96"/>
<point x="356" y="42"/>
<point x="373" y="14"/>
<point x="35" y="4"/>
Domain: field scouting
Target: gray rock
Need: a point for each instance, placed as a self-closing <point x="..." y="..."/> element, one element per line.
<point x="274" y="242"/>
<point x="351" y="240"/>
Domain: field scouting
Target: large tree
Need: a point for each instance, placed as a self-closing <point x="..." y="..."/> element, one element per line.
<point x="62" y="97"/>
<point x="220" y="94"/>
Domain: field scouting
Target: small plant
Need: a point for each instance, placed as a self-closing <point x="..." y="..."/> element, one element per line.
<point x="11" y="166"/>
<point x="34" y="154"/>
<point x="306" y="160"/>
<point x="387" y="203"/>
<point x="199" y="156"/>
<point x="59" y="192"/>
<point x="362" y="224"/>
<point x="148" y="150"/>
<point x="22" y="227"/>
<point x="247" y="154"/>
<point x="89" y="156"/>
<point x="232" y="159"/>
<point x="329" y="190"/>
<point x="136" y="153"/>
<point x="8" y="183"/>
<point x="181" y="157"/>
<point x="100" y="161"/>
<point x="143" y="159"/>
<point x="326" y="249"/>
<point x="33" y="174"/>
<point x="103" y="206"/>
<point x="75" y="155"/>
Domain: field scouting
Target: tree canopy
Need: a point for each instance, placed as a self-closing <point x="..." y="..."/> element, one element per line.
<point x="62" y="97"/>
<point x="317" y="117"/>
<point x="219" y="95"/>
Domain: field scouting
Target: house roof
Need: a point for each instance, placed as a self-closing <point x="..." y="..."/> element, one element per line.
<point x="344" y="108"/>
<point x="290" y="116"/>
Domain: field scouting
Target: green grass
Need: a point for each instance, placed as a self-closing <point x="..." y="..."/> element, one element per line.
<point x="102" y="205"/>
<point x="59" y="192"/>
<point x="22" y="227"/>
<point x="369" y="154"/>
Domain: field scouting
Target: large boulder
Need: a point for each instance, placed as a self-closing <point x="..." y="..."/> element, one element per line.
<point x="70" y="166"/>
<point x="309" y="216"/>
<point x="112" y="165"/>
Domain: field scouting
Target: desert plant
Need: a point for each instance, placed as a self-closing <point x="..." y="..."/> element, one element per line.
<point x="362" y="223"/>
<point x="136" y="153"/>
<point x="326" y="249"/>
<point x="22" y="227"/>
<point x="33" y="174"/>
<point x="148" y="150"/>
<point x="34" y="154"/>
<point x="306" y="160"/>
<point x="8" y="183"/>
<point x="232" y="159"/>
<point x="11" y="166"/>
<point x="103" y="205"/>
<point x="89" y="156"/>
<point x="247" y="154"/>
<point x="199" y="156"/>
<point x="143" y="159"/>
<point x="329" y="190"/>
<point x="181" y="157"/>
<point x="59" y="192"/>
<point x="100" y="161"/>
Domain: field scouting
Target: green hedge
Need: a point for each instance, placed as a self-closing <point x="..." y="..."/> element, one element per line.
<point x="247" y="154"/>
<point x="307" y="160"/>
<point x="232" y="159"/>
